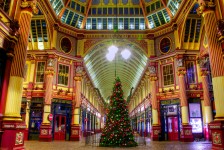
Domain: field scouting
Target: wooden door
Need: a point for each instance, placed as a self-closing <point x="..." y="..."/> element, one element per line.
<point x="59" y="127"/>
<point x="172" y="128"/>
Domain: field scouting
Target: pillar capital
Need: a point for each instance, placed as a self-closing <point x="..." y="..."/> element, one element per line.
<point x="77" y="78"/>
<point x="181" y="71"/>
<point x="220" y="28"/>
<point x="49" y="72"/>
<point x="30" y="5"/>
<point x="153" y="78"/>
<point x="204" y="72"/>
<point x="205" y="6"/>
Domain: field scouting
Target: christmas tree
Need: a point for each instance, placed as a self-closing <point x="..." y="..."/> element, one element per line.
<point x="117" y="131"/>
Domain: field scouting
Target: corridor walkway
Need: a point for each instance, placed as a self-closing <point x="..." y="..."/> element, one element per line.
<point x="150" y="145"/>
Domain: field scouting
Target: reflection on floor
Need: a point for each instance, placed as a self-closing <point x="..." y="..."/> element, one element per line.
<point x="150" y="145"/>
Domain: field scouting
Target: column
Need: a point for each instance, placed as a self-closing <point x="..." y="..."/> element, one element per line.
<point x="5" y="83"/>
<point x="156" y="128"/>
<point x="75" y="125"/>
<point x="186" y="131"/>
<point x="207" y="8"/>
<point x="207" y="103"/>
<point x="45" y="129"/>
<point x="13" y="136"/>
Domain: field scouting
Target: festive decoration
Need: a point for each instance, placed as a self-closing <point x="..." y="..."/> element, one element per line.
<point x="117" y="131"/>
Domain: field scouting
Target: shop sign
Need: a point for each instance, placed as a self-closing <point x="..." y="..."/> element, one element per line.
<point x="50" y="117"/>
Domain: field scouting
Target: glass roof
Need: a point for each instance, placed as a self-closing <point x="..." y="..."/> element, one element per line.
<point x="102" y="71"/>
<point x="105" y="14"/>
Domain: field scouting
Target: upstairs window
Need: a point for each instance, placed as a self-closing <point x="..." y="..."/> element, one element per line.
<point x="4" y="4"/>
<point x="63" y="74"/>
<point x="40" y="72"/>
<point x="168" y="76"/>
<point x="191" y="74"/>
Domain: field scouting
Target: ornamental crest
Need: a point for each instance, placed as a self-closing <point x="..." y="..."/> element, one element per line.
<point x="50" y="62"/>
<point x="79" y="70"/>
<point x="216" y="138"/>
<point x="19" y="138"/>
<point x="152" y="70"/>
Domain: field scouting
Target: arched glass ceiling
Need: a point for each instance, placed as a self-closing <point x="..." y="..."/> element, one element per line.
<point x="102" y="71"/>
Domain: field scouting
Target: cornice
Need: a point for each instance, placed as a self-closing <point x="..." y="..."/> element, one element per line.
<point x="53" y="52"/>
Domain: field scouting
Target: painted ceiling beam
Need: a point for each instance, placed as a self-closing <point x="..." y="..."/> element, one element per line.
<point x="63" y="9"/>
<point x="167" y="9"/>
<point x="89" y="4"/>
<point x="144" y="13"/>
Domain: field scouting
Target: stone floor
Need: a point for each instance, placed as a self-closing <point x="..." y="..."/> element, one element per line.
<point x="150" y="145"/>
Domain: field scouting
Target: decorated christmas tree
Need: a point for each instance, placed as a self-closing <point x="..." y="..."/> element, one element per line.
<point x="117" y="131"/>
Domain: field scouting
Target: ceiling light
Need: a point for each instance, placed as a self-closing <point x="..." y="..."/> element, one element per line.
<point x="126" y="53"/>
<point x="113" y="49"/>
<point x="110" y="56"/>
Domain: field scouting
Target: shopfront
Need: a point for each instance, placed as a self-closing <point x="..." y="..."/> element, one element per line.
<point x="170" y="119"/>
<point x="36" y="117"/>
<point x="148" y="121"/>
<point x="2" y="69"/>
<point x="61" y="125"/>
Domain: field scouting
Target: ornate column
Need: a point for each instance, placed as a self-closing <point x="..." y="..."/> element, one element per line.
<point x="75" y="124"/>
<point x="217" y="64"/>
<point x="186" y="131"/>
<point x="5" y="84"/>
<point x="13" y="136"/>
<point x="45" y="129"/>
<point x="207" y="102"/>
<point x="156" y="128"/>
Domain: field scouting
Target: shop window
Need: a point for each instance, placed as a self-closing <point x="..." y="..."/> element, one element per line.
<point x="168" y="76"/>
<point x="195" y="117"/>
<point x="40" y="72"/>
<point x="190" y="66"/>
<point x="63" y="74"/>
<point x="36" y="113"/>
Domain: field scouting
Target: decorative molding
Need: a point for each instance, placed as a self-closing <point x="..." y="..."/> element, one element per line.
<point x="179" y="62"/>
<point x="220" y="28"/>
<point x="181" y="71"/>
<point x="152" y="70"/>
<point x="205" y="5"/>
<point x="49" y="72"/>
<point x="78" y="78"/>
<point x="204" y="72"/>
<point x="30" y="4"/>
<point x="153" y="78"/>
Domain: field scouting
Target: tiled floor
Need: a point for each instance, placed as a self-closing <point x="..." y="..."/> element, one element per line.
<point x="150" y="145"/>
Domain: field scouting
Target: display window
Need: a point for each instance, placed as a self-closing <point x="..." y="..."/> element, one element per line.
<point x="195" y="117"/>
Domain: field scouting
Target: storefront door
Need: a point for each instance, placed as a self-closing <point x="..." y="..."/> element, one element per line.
<point x="172" y="128"/>
<point x="59" y="127"/>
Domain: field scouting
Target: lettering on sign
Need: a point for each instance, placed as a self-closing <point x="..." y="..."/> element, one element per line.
<point x="214" y="127"/>
<point x="9" y="126"/>
<point x="20" y="126"/>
